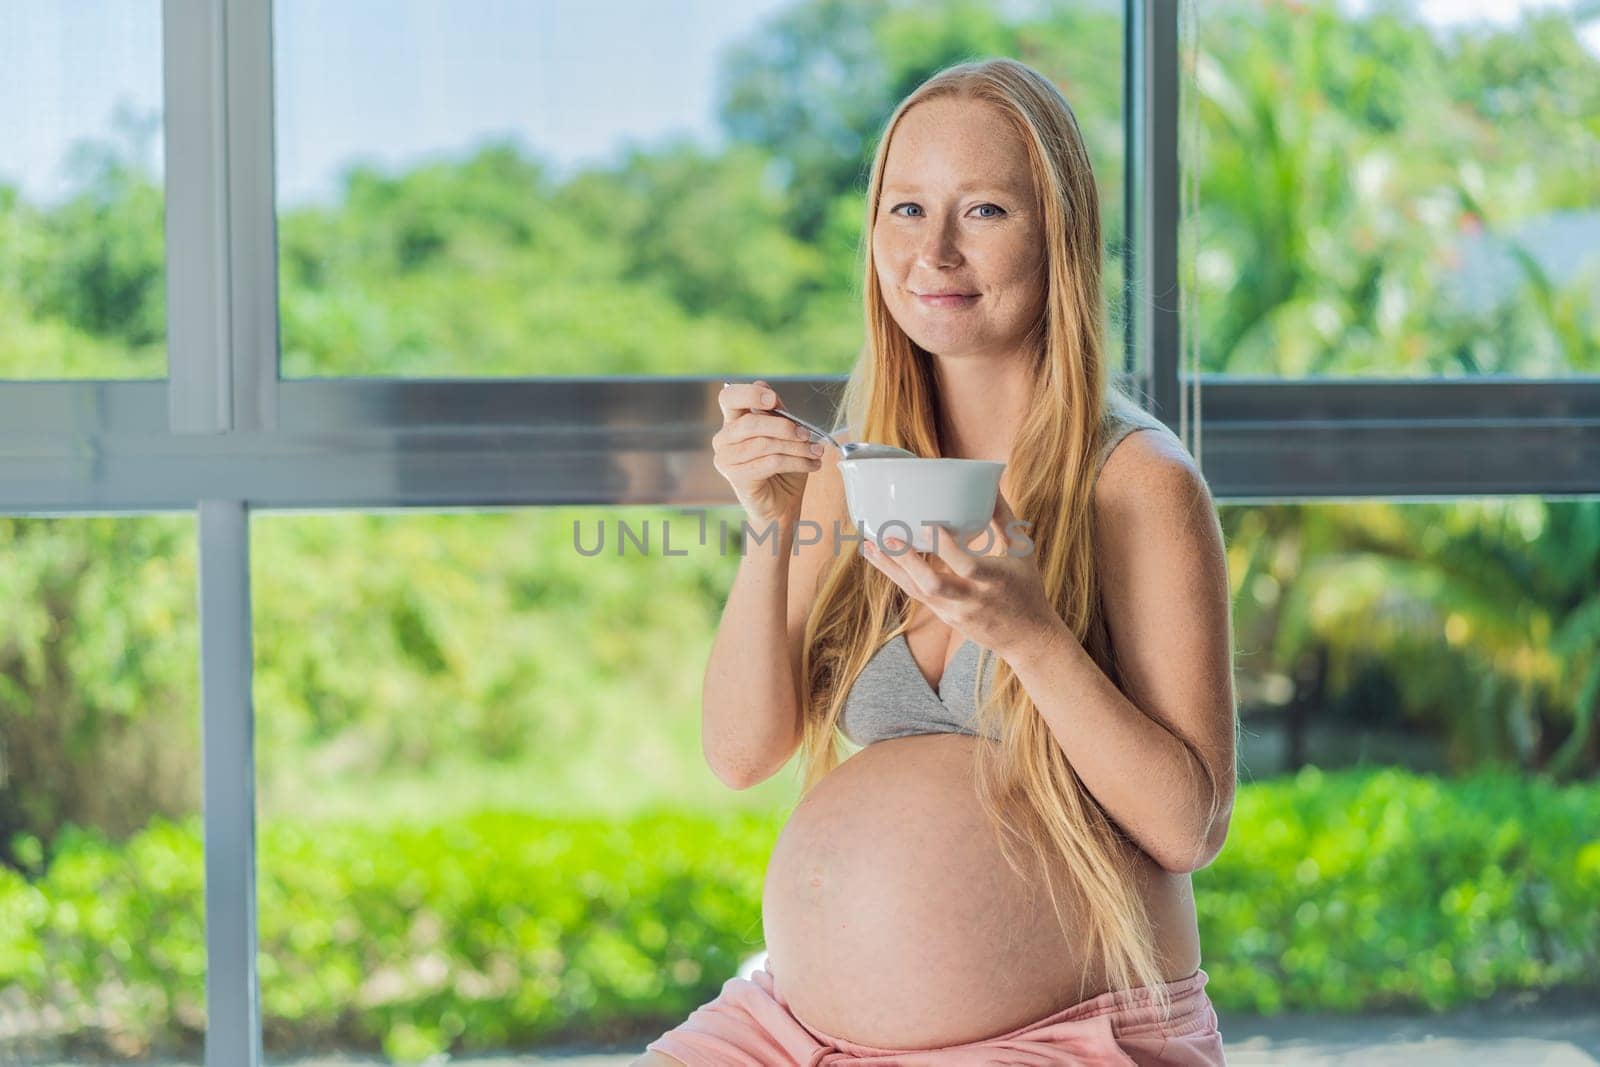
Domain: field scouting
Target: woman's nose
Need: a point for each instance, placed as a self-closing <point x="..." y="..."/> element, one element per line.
<point x="938" y="247"/>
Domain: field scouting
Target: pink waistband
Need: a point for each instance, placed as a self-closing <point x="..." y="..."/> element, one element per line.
<point x="1129" y="1012"/>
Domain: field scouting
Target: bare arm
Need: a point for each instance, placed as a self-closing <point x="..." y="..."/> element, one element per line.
<point x="1160" y="760"/>
<point x="750" y="703"/>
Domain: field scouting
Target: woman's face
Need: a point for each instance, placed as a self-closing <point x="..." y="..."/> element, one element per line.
<point x="959" y="212"/>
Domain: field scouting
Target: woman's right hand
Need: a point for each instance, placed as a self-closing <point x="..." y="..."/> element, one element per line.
<point x="765" y="457"/>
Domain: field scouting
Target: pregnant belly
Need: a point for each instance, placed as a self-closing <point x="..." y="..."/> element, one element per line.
<point x="892" y="919"/>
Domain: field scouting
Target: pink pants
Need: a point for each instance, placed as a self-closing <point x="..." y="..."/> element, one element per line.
<point x="749" y="1025"/>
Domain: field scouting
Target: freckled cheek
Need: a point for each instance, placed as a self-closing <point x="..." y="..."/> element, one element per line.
<point x="885" y="263"/>
<point x="1023" y="281"/>
<point x="891" y="258"/>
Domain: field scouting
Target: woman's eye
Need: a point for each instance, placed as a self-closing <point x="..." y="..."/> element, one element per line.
<point x="979" y="207"/>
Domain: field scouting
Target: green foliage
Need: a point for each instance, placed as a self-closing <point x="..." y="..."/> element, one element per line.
<point x="101" y="265"/>
<point x="99" y="664"/>
<point x="36" y="347"/>
<point x="392" y="643"/>
<point x="1342" y="164"/>
<point x="709" y="230"/>
<point x="1484" y="615"/>
<point x="1359" y="891"/>
<point x="487" y="931"/>
<point x="813" y="90"/>
<point x="1353" y="892"/>
<point x="412" y="638"/>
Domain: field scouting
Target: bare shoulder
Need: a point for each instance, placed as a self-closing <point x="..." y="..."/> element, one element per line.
<point x="1149" y="460"/>
<point x="1160" y="554"/>
<point x="1153" y="511"/>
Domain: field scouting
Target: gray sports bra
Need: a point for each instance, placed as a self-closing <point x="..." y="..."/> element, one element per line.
<point x="891" y="698"/>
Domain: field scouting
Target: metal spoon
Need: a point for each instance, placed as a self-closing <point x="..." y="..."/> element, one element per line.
<point x="849" y="449"/>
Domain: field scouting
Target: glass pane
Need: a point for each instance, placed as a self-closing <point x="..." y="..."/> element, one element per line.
<point x="1416" y="684"/>
<point x="1427" y="634"/>
<point x="1391" y="190"/>
<point x="82" y="204"/>
<point x="466" y="728"/>
<point x="102" y="898"/>
<point x="491" y="189"/>
<point x="474" y="741"/>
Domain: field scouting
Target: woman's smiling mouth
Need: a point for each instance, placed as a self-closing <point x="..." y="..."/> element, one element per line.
<point x="946" y="300"/>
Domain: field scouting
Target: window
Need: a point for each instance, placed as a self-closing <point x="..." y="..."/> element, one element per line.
<point x="1409" y="632"/>
<point x="486" y="284"/>
<point x="431" y="687"/>
<point x="101" y="871"/>
<point x="484" y="190"/>
<point x="82" y="249"/>
<point x="1400" y="195"/>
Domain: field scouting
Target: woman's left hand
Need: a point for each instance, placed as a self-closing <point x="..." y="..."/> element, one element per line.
<point x="989" y="590"/>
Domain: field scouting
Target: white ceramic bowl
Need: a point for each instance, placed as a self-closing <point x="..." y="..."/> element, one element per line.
<point x="910" y="496"/>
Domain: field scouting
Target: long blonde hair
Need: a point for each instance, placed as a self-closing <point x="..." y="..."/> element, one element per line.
<point x="889" y="397"/>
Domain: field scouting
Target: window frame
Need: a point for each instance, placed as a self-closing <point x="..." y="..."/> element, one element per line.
<point x="224" y="435"/>
<point x="223" y="425"/>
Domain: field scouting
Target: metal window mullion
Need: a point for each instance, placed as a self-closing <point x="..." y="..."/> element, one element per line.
<point x="222" y="371"/>
<point x="199" y="376"/>
<point x="233" y="1014"/>
<point x="374" y="443"/>
<point x="252" y="215"/>
<point x="1151" y="198"/>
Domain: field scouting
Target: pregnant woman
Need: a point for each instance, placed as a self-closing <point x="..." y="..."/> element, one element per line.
<point x="1001" y="873"/>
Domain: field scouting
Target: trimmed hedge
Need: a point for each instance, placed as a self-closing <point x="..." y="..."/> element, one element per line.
<point x="1363" y="890"/>
<point x="1337" y="891"/>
